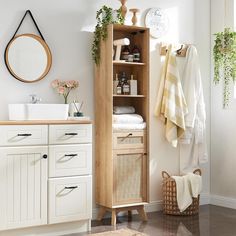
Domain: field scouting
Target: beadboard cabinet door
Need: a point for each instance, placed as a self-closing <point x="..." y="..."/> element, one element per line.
<point x="23" y="186"/>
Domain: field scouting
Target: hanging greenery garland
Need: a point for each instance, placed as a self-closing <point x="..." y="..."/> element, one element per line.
<point x="225" y="61"/>
<point x="105" y="16"/>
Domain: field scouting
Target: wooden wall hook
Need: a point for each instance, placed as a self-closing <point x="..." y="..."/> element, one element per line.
<point x="180" y="51"/>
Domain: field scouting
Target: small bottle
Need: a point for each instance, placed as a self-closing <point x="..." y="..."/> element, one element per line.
<point x="115" y="83"/>
<point x="119" y="88"/>
<point x="125" y="53"/>
<point x="133" y="86"/>
<point x="126" y="88"/>
<point x="123" y="78"/>
<point x="136" y="53"/>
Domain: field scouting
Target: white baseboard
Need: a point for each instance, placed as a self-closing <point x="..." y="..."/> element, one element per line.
<point x="223" y="201"/>
<point x="154" y="206"/>
<point x="205" y="199"/>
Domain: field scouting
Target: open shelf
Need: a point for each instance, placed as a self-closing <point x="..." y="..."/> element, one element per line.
<point x="124" y="63"/>
<point x="129" y="96"/>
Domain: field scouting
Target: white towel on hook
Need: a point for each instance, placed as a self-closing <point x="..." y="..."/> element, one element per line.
<point x="195" y="152"/>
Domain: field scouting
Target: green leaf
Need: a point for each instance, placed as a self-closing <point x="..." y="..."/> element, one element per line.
<point x="224" y="53"/>
<point x="104" y="17"/>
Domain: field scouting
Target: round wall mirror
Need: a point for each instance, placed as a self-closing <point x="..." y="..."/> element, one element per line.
<point x="28" y="58"/>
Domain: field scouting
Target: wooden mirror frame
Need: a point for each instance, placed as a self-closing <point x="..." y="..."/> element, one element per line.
<point x="46" y="48"/>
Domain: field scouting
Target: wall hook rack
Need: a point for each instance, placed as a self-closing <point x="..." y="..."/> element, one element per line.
<point x="180" y="49"/>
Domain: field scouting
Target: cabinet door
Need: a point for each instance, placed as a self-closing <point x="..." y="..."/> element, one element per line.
<point x="130" y="176"/>
<point x="70" y="199"/>
<point x="23" y="187"/>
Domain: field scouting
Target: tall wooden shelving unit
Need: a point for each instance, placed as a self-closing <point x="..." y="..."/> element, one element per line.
<point x="122" y="169"/>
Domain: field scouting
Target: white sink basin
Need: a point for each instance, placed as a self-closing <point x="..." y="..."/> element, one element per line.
<point x="38" y="111"/>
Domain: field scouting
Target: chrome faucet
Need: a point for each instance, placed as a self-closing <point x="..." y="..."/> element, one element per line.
<point x="34" y="99"/>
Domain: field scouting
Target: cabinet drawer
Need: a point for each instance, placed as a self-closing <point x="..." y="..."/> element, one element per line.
<point x="132" y="139"/>
<point x="69" y="160"/>
<point x="70" y="199"/>
<point x="16" y="135"/>
<point x="66" y="134"/>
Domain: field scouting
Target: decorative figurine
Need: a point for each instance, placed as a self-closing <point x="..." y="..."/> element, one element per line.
<point x="134" y="18"/>
<point x="123" y="8"/>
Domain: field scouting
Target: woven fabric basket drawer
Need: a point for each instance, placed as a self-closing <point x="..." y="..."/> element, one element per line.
<point x="129" y="139"/>
<point x="170" y="197"/>
<point x="130" y="176"/>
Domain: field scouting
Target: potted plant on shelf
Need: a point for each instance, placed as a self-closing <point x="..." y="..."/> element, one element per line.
<point x="105" y="16"/>
<point x="224" y="53"/>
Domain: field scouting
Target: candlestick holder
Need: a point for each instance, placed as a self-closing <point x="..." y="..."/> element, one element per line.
<point x="134" y="18"/>
<point x="123" y="8"/>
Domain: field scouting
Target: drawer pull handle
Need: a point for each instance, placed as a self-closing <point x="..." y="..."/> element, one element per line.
<point x="45" y="156"/>
<point x="130" y="134"/>
<point x="71" y="187"/>
<point x="24" y="135"/>
<point x="71" y="134"/>
<point x="71" y="155"/>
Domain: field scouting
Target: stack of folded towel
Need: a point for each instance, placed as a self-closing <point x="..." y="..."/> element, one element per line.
<point x="187" y="187"/>
<point x="124" y="117"/>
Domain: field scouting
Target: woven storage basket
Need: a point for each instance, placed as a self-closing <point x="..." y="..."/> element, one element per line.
<point x="170" y="197"/>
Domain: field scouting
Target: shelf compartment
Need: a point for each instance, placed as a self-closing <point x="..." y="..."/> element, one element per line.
<point x="129" y="96"/>
<point x="124" y="63"/>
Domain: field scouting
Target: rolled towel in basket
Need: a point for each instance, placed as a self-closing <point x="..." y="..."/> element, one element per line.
<point x="187" y="187"/>
<point x="127" y="119"/>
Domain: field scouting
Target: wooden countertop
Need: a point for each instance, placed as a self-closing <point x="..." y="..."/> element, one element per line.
<point x="44" y="122"/>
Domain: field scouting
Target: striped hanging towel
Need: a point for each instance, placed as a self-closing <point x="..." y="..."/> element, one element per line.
<point x="171" y="105"/>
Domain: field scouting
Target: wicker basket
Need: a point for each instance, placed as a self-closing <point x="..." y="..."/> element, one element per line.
<point x="170" y="197"/>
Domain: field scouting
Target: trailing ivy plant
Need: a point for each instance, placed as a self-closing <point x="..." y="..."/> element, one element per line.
<point x="225" y="61"/>
<point x="104" y="17"/>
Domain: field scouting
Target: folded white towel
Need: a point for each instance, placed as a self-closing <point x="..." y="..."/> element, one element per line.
<point x="129" y="126"/>
<point x="187" y="187"/>
<point x="127" y="119"/>
<point x="123" y="110"/>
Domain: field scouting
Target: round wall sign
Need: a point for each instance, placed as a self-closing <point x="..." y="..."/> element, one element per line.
<point x="158" y="22"/>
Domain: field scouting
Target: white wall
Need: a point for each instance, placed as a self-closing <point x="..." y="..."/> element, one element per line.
<point x="67" y="27"/>
<point x="223" y="125"/>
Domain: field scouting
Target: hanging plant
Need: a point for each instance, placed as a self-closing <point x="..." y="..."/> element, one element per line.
<point x="225" y="61"/>
<point x="105" y="16"/>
